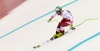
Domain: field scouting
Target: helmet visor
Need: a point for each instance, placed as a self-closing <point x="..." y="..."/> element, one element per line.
<point x="58" y="12"/>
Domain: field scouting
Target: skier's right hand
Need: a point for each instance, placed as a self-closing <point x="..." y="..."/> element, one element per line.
<point x="49" y="20"/>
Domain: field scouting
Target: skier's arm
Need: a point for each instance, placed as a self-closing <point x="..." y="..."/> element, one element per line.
<point x="67" y="15"/>
<point x="52" y="17"/>
<point x="49" y="20"/>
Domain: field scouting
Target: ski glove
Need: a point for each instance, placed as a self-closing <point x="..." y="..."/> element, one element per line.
<point x="49" y="20"/>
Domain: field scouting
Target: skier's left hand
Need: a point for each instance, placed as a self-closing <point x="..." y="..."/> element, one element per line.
<point x="49" y="20"/>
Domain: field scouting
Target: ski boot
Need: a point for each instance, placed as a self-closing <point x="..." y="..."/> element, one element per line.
<point x="60" y="34"/>
<point x="54" y="37"/>
<point x="38" y="46"/>
<point x="34" y="47"/>
<point x="57" y="35"/>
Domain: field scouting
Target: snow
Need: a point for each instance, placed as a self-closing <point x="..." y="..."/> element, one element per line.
<point x="40" y="30"/>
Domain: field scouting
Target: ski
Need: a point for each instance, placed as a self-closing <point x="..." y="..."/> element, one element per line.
<point x="47" y="41"/>
<point x="42" y="44"/>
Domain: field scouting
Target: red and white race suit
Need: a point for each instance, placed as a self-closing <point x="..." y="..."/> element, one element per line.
<point x="66" y="21"/>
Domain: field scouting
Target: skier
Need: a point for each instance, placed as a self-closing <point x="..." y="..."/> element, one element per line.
<point x="66" y="21"/>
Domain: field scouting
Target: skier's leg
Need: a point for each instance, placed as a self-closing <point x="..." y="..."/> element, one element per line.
<point x="61" y="31"/>
<point x="55" y="35"/>
<point x="62" y="28"/>
<point x="58" y="29"/>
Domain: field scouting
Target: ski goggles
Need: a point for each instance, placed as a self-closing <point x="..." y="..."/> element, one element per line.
<point x="58" y="11"/>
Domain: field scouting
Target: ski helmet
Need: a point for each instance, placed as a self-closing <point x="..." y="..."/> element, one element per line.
<point x="58" y="9"/>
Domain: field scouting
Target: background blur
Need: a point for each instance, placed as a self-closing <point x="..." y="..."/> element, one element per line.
<point x="23" y="24"/>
